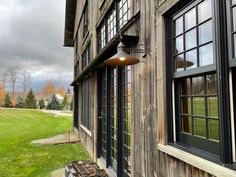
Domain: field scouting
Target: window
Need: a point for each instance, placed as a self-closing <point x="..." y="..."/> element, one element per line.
<point x="86" y="103"/>
<point x="115" y="19"/>
<point x="115" y="122"/>
<point x="86" y="58"/>
<point x="124" y="12"/>
<point x="194" y="77"/>
<point x="86" y="20"/>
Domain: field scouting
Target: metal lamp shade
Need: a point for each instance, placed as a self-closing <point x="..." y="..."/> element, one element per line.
<point x="181" y="63"/>
<point x="121" y="58"/>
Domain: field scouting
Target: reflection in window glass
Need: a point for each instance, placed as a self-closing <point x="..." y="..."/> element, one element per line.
<point x="179" y="44"/>
<point x="187" y="124"/>
<point x="190" y="39"/>
<point x="213" y="129"/>
<point x="194" y="35"/>
<point x="205" y="32"/>
<point x="206" y="55"/>
<point x="199" y="105"/>
<point x="204" y="10"/>
<point x="190" y="19"/>
<point x="212" y="107"/>
<point x="200" y="126"/>
<point x="179" y="62"/>
<point x="191" y="59"/>
<point x="234" y="19"/>
<point x="179" y="26"/>
<point x="198" y="85"/>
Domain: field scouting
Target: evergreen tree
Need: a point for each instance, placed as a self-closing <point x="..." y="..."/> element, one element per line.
<point x="7" y="102"/>
<point x="65" y="103"/>
<point x="54" y="104"/>
<point x="20" y="102"/>
<point x="30" y="100"/>
<point x="41" y="104"/>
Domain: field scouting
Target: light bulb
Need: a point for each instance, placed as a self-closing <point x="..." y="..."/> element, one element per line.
<point x="122" y="58"/>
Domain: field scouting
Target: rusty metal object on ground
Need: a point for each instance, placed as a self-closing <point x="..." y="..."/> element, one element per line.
<point x="86" y="168"/>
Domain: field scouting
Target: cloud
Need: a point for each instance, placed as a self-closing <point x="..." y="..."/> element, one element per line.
<point x="31" y="38"/>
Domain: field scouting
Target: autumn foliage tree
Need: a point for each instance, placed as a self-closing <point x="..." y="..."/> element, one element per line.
<point x="62" y="91"/>
<point x="49" y="88"/>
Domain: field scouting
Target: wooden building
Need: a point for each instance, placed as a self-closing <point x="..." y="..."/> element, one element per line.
<point x="173" y="113"/>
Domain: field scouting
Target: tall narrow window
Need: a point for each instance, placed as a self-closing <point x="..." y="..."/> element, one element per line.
<point x="114" y="118"/>
<point x="123" y="12"/>
<point x="86" y="58"/>
<point x="126" y="86"/>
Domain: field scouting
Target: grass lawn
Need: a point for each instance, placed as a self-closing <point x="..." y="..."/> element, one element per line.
<point x="18" y="157"/>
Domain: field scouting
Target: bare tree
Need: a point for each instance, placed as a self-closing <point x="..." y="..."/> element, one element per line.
<point x="26" y="81"/>
<point x="10" y="78"/>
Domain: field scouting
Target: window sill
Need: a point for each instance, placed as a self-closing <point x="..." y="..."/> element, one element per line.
<point x="87" y="131"/>
<point x="197" y="162"/>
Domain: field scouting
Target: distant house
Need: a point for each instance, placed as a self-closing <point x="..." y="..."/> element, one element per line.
<point x="173" y="113"/>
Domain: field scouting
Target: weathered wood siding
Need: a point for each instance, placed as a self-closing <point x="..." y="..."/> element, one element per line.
<point x="149" y="126"/>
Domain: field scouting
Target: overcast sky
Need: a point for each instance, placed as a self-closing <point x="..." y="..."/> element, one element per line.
<point x="31" y="38"/>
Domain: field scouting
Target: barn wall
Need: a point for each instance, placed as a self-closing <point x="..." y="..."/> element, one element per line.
<point x="149" y="119"/>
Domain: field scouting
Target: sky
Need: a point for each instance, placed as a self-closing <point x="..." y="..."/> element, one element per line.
<point x="31" y="38"/>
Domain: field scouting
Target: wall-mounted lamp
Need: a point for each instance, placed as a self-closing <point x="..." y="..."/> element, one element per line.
<point x="121" y="58"/>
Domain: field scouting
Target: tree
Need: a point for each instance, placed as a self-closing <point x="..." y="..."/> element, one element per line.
<point x="10" y="78"/>
<point x="41" y="104"/>
<point x="71" y="105"/>
<point x="54" y="104"/>
<point x="30" y="101"/>
<point x="25" y="80"/>
<point x="7" y="102"/>
<point x="20" y="102"/>
<point x="65" y="104"/>
<point x="49" y="88"/>
<point x="2" y="93"/>
<point x="62" y="91"/>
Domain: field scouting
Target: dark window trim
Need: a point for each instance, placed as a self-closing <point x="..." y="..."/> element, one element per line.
<point x="220" y="66"/>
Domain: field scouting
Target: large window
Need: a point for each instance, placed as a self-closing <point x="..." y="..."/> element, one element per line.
<point x="201" y="80"/>
<point x="194" y="77"/>
<point x="115" y="19"/>
<point x="115" y="113"/>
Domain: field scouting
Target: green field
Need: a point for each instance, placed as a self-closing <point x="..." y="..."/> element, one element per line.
<point x="18" y="157"/>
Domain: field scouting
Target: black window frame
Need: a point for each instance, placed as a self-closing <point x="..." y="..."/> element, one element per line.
<point x="86" y="56"/>
<point x="103" y="36"/>
<point x="85" y="19"/>
<point x="220" y="67"/>
<point x="120" y="79"/>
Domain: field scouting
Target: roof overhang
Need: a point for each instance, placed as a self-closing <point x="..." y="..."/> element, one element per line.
<point x="69" y="23"/>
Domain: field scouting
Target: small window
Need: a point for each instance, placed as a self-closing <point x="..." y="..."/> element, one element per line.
<point x="85" y="19"/>
<point x="86" y="58"/>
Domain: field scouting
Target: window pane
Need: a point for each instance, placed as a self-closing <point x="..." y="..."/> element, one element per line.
<point x="179" y="26"/>
<point x="199" y="106"/>
<point x="190" y="39"/>
<point x="179" y="44"/>
<point x="179" y="62"/>
<point x="186" y="87"/>
<point x="204" y="11"/>
<point x="191" y="59"/>
<point x="205" y="32"/>
<point x="212" y="106"/>
<point x="206" y="55"/>
<point x="190" y="19"/>
<point x="200" y="126"/>
<point x="198" y="85"/>
<point x="234" y="19"/>
<point x="213" y="126"/>
<point x="187" y="124"/>
<point x="186" y="105"/>
<point x="211" y="84"/>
